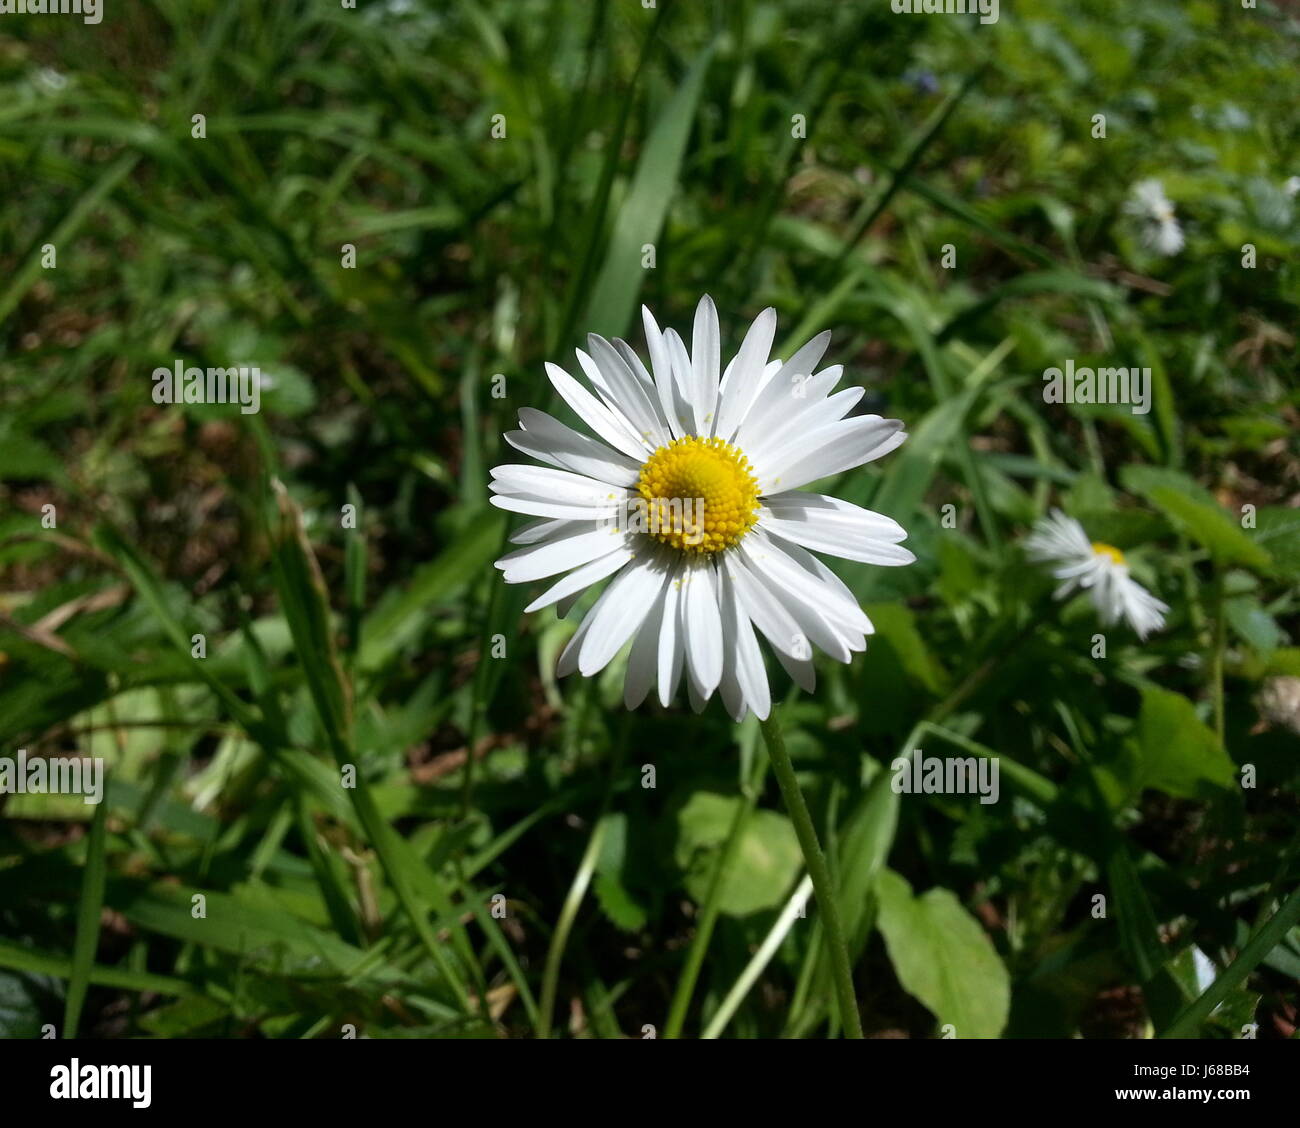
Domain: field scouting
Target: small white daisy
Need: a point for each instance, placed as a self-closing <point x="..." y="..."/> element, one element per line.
<point x="1158" y="226"/>
<point x="1099" y="569"/>
<point x="690" y="498"/>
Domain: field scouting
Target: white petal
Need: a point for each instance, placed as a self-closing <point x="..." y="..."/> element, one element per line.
<point x="575" y="548"/>
<point x="672" y="640"/>
<point x="733" y="697"/>
<point x="801" y="671"/>
<point x="743" y="384"/>
<point x="767" y="611"/>
<point x="627" y="392"/>
<point x="798" y="594"/>
<point x="1058" y="537"/>
<point x="644" y="656"/>
<point x="827" y="524"/>
<point x="703" y="623"/>
<point x="781" y="387"/>
<point x="556" y="485"/>
<point x="568" y="660"/>
<point x="540" y="530"/>
<point x="545" y="438"/>
<point x="683" y="378"/>
<point x="577" y="581"/>
<point x="635" y="363"/>
<point x="743" y="651"/>
<point x="697" y="698"/>
<point x="835" y="448"/>
<point x="671" y="403"/>
<point x="787" y="411"/>
<point x="788" y="445"/>
<point x="622" y="608"/>
<point x="842" y="611"/>
<point x="533" y="506"/>
<point x="545" y="492"/>
<point x="609" y="425"/>
<point x="706" y="359"/>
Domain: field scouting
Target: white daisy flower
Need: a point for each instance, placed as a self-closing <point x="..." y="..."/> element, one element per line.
<point x="1159" y="228"/>
<point x="1099" y="569"/>
<point x="689" y="497"/>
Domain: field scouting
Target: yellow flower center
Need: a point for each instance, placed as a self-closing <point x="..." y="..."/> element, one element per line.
<point x="700" y="494"/>
<point x="1108" y="550"/>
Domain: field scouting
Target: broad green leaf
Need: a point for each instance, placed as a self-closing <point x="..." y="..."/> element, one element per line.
<point x="944" y="958"/>
<point x="1179" y="754"/>
<point x="767" y="859"/>
<point x="1253" y="623"/>
<point x="1277" y="531"/>
<point x="1194" y="512"/>
<point x="619" y="905"/>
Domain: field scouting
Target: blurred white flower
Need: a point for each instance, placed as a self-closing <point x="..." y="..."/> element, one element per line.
<point x="1158" y="226"/>
<point x="1292" y="186"/>
<point x="1279" y="702"/>
<point x="1099" y="569"/>
<point x="715" y="460"/>
<point x="50" y="80"/>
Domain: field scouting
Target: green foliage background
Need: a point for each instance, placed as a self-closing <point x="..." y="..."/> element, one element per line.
<point x="380" y="905"/>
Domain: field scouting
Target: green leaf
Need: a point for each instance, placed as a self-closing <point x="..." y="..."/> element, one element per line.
<point x="641" y="217"/>
<point x="944" y="958"/>
<point x="618" y="904"/>
<point x="1193" y="511"/>
<point x="767" y="858"/>
<point x="895" y="623"/>
<point x="1179" y="754"/>
<point x="864" y="848"/>
<point x="398" y="620"/>
<point x="301" y="588"/>
<point x="21" y="958"/>
<point x="1277" y="531"/>
<point x="20" y="1009"/>
<point x="88" y="912"/>
<point x="1266" y="938"/>
<point x="25" y="456"/>
<point x="909" y="474"/>
<point x="303" y="597"/>
<point x="1253" y="623"/>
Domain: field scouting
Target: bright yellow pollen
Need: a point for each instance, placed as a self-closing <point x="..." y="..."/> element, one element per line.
<point x="701" y="494"/>
<point x="1108" y="550"/>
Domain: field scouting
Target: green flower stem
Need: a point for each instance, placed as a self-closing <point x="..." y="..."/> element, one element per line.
<point x="823" y="887"/>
